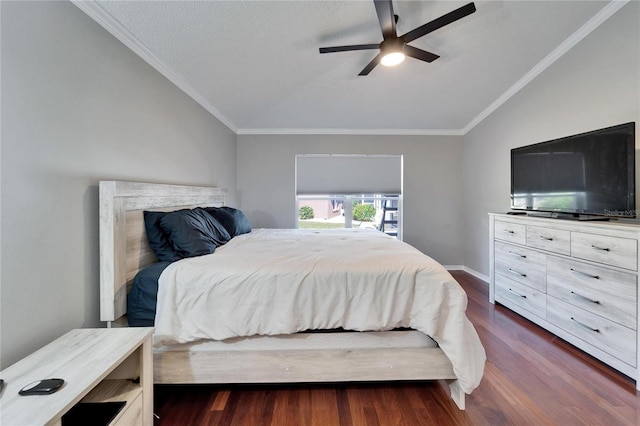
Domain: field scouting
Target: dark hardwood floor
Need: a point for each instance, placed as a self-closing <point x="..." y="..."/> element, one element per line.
<point x="531" y="378"/>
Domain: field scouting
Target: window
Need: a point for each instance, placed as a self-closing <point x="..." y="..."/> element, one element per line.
<point x="349" y="191"/>
<point x="378" y="211"/>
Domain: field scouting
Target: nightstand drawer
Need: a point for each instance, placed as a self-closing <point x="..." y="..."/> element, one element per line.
<point x="605" y="335"/>
<point x="615" y="251"/>
<point x="512" y="232"/>
<point x="521" y="295"/>
<point x="555" y="240"/>
<point x="131" y="414"/>
<point x="602" y="291"/>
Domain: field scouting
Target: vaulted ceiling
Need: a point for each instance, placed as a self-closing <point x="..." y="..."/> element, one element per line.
<point x="255" y="65"/>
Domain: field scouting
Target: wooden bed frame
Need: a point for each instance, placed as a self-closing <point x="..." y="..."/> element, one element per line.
<point x="124" y="250"/>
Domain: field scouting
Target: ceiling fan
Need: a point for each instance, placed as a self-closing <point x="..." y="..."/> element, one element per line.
<point x="394" y="48"/>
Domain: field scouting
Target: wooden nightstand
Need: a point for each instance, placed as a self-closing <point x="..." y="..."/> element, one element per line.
<point x="98" y="365"/>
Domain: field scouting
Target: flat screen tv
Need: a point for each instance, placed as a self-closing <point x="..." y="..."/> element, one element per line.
<point x="590" y="174"/>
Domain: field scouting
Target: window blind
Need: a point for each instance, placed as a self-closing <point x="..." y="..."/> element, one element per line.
<point x="348" y="174"/>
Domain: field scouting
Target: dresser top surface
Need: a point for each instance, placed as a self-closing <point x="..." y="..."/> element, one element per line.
<point x="627" y="226"/>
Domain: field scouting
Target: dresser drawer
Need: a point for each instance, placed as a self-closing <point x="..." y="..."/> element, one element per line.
<point x="512" y="232"/>
<point x="518" y="255"/>
<point x="521" y="295"/>
<point x="601" y="291"/>
<point x="615" y="251"/>
<point x="554" y="240"/>
<point x="522" y="265"/>
<point x="608" y="336"/>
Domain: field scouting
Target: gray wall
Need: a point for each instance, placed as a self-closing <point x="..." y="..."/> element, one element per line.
<point x="594" y="85"/>
<point x="79" y="107"/>
<point x="432" y="183"/>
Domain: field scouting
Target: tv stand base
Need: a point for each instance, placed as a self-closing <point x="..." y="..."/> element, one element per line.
<point x="577" y="216"/>
<point x="566" y="216"/>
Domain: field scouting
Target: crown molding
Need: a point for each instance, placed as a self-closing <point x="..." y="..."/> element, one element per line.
<point x="556" y="54"/>
<point x="365" y="132"/>
<point x="115" y="28"/>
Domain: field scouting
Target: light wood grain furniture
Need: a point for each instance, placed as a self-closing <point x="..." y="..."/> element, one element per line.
<point x="124" y="251"/>
<point x="97" y="365"/>
<point x="578" y="280"/>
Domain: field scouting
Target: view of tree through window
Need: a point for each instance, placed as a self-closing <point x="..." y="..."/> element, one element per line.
<point x="378" y="211"/>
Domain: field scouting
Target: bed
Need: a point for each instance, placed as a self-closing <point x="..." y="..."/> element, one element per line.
<point x="323" y="323"/>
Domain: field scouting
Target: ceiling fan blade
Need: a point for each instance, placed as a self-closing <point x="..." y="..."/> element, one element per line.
<point x="348" y="48"/>
<point x="423" y="55"/>
<point x="387" y="20"/>
<point x="371" y="65"/>
<point x="440" y="22"/>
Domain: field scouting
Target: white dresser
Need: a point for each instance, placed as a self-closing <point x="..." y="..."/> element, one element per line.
<point x="579" y="280"/>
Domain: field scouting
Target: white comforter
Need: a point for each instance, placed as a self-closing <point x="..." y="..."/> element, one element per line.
<point x="271" y="282"/>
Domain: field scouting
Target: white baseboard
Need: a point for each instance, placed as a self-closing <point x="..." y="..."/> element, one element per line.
<point x="469" y="271"/>
<point x="454" y="267"/>
<point x="476" y="274"/>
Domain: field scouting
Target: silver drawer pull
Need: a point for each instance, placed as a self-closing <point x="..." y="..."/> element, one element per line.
<point x="586" y="298"/>
<point x="600" y="248"/>
<point x="508" y="231"/>
<point x="517" y="294"/>
<point x="585" y="325"/>
<point x="584" y="274"/>
<point x="542" y="237"/>
<point x="517" y="273"/>
<point x="513" y="253"/>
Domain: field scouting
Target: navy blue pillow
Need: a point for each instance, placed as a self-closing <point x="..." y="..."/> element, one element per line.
<point x="142" y="299"/>
<point x="194" y="232"/>
<point x="158" y="239"/>
<point x="233" y="220"/>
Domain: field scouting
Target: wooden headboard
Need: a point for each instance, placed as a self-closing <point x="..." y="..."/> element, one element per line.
<point x="124" y="248"/>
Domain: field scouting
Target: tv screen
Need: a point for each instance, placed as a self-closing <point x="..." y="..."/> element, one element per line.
<point x="591" y="173"/>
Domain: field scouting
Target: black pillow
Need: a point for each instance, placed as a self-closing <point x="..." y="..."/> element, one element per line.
<point x="158" y="239"/>
<point x="233" y="220"/>
<point x="194" y="232"/>
<point x="142" y="299"/>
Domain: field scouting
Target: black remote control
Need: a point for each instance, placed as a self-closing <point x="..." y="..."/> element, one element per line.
<point x="42" y="387"/>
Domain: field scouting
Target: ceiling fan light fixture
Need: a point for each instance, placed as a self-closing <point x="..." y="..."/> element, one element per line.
<point x="392" y="51"/>
<point x="392" y="59"/>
